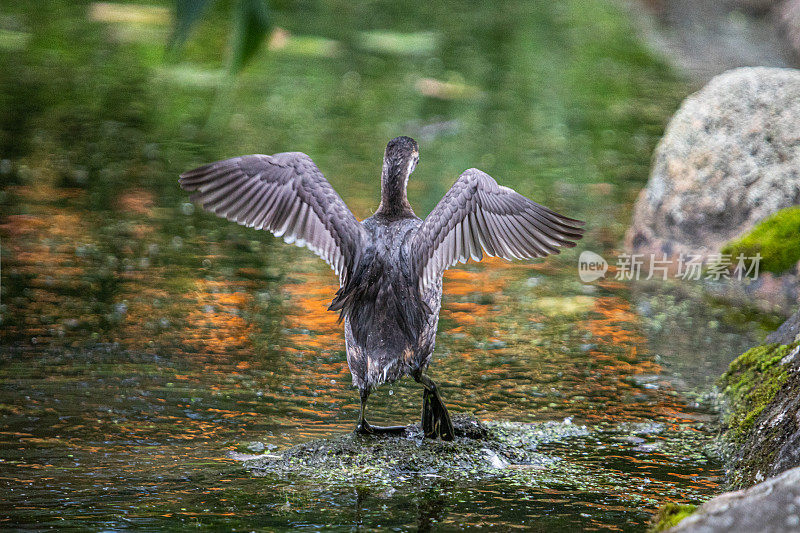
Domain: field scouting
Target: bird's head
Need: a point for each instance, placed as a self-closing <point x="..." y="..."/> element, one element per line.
<point x="400" y="159"/>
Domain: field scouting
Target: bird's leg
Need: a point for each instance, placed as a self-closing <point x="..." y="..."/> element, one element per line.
<point x="436" y="421"/>
<point x="365" y="428"/>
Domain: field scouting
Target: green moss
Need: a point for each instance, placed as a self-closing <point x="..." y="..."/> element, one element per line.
<point x="670" y="515"/>
<point x="751" y="382"/>
<point x="776" y="238"/>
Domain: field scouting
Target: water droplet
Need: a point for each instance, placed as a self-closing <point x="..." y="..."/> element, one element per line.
<point x="391" y="392"/>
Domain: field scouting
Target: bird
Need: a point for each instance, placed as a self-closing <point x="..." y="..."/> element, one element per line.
<point x="390" y="265"/>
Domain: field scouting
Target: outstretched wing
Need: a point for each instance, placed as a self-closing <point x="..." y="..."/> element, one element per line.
<point x="286" y="194"/>
<point x="477" y="215"/>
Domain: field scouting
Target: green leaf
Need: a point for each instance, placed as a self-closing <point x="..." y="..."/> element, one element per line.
<point x="187" y="13"/>
<point x="251" y="26"/>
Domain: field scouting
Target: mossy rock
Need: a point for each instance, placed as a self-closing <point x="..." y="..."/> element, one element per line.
<point x="480" y="450"/>
<point x="761" y="397"/>
<point x="776" y="239"/>
<point x="670" y="515"/>
<point x="751" y="382"/>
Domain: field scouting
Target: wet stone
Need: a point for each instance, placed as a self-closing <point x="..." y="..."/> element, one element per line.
<point x="256" y="447"/>
<point x="771" y="506"/>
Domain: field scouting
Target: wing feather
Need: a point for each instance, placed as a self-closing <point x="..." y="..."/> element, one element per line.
<point x="478" y="216"/>
<point x="285" y="194"/>
<point x="476" y="254"/>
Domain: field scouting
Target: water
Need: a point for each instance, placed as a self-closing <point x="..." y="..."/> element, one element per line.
<point x="143" y="341"/>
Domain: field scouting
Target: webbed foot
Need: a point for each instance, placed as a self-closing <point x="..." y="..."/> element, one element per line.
<point x="436" y="423"/>
<point x="365" y="428"/>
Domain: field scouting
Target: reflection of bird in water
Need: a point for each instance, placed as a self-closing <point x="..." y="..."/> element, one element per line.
<point x="390" y="265"/>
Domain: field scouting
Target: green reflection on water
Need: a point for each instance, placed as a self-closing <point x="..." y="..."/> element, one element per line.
<point x="142" y="340"/>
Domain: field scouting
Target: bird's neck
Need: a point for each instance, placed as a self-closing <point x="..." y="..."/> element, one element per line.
<point x="394" y="200"/>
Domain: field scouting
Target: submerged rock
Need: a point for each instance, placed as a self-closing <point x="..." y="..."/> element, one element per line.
<point x="728" y="159"/>
<point x="771" y="506"/>
<point x="480" y="449"/>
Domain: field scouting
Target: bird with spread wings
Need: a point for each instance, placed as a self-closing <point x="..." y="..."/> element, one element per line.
<point x="390" y="266"/>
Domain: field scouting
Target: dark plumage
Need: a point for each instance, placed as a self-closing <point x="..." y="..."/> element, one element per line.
<point x="390" y="265"/>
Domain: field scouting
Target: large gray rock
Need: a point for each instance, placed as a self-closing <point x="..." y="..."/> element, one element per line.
<point x="752" y="6"/>
<point x="704" y="38"/>
<point x="730" y="157"/>
<point x="789" y="23"/>
<point x="771" y="506"/>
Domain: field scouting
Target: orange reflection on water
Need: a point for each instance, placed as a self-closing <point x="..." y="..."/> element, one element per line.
<point x="308" y="310"/>
<point x="42" y="245"/>
<point x="462" y="283"/>
<point x="614" y="322"/>
<point x="214" y="323"/>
